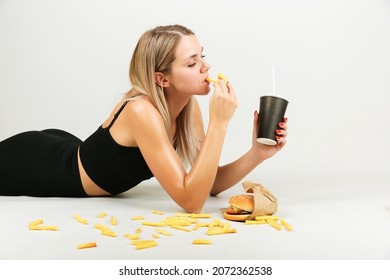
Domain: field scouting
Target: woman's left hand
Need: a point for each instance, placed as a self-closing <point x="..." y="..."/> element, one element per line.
<point x="266" y="151"/>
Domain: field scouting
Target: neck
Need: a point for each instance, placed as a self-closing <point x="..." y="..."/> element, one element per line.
<point x="176" y="104"/>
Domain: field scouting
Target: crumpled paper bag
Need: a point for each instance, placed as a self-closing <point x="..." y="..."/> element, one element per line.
<point x="265" y="202"/>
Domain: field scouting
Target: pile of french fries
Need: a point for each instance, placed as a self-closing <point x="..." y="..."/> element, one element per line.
<point x="166" y="227"/>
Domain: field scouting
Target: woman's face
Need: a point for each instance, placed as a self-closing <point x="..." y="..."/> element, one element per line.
<point x="189" y="70"/>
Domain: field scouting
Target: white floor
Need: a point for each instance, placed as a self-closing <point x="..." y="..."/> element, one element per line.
<point x="330" y="222"/>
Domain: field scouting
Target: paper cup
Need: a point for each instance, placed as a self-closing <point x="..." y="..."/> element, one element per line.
<point x="271" y="112"/>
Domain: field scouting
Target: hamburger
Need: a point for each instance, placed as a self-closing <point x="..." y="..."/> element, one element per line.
<point x="240" y="208"/>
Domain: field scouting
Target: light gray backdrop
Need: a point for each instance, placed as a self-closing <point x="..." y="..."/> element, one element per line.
<point x="64" y="64"/>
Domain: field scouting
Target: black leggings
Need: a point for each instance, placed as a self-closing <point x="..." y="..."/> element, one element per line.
<point x="40" y="163"/>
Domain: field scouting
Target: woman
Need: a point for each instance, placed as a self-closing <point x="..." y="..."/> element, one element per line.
<point x="154" y="131"/>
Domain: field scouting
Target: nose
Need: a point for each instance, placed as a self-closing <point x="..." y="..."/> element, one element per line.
<point x="206" y="67"/>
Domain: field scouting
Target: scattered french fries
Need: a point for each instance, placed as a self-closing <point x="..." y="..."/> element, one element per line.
<point x="286" y="225"/>
<point x="201" y="241"/>
<point x="87" y="245"/>
<point x="181" y="228"/>
<point x="37" y="225"/>
<point x="132" y="236"/>
<point x="102" y="214"/>
<point x="138" y="218"/>
<point x="81" y="220"/>
<point x="163" y="232"/>
<point x="54" y="228"/>
<point x="113" y="221"/>
<point x="157" y="212"/>
<point x="109" y="233"/>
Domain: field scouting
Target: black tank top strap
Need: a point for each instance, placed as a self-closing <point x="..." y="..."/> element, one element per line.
<point x="116" y="115"/>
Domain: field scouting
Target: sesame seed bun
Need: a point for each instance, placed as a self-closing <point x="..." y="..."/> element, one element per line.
<point x="241" y="207"/>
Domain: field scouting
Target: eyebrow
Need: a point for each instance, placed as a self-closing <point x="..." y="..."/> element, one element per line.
<point x="192" y="56"/>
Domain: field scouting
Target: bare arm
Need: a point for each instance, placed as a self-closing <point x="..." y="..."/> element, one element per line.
<point x="189" y="190"/>
<point x="230" y="174"/>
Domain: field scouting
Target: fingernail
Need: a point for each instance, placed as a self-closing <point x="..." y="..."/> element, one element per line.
<point x="285" y="119"/>
<point x="278" y="131"/>
<point x="281" y="124"/>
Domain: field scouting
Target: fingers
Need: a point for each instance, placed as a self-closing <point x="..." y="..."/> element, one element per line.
<point x="282" y="132"/>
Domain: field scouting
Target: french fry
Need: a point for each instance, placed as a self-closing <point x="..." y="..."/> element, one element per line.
<point x="109" y="233"/>
<point x="35" y="223"/>
<point x="181" y="228"/>
<point x="81" y="220"/>
<point x="172" y="222"/>
<point x="113" y="221"/>
<point x="141" y="241"/>
<point x="157" y="212"/>
<point x="183" y="214"/>
<point x="153" y="224"/>
<point x="102" y="214"/>
<point x="155" y="235"/>
<point x="146" y="245"/>
<point x="272" y="223"/>
<point x="132" y="236"/>
<point x="138" y="230"/>
<point x="286" y="225"/>
<point x="219" y="230"/>
<point x="258" y="218"/>
<point x="138" y="218"/>
<point x="86" y="245"/>
<point x="163" y="232"/>
<point x="222" y="76"/>
<point x="54" y="228"/>
<point x="102" y="227"/>
<point x="200" y="216"/>
<point x="201" y="241"/>
<point x="211" y="80"/>
<point x="252" y="222"/>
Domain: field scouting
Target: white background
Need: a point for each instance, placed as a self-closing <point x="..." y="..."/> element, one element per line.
<point x="64" y="64"/>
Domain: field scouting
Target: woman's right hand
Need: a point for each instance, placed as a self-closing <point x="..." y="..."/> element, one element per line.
<point x="223" y="103"/>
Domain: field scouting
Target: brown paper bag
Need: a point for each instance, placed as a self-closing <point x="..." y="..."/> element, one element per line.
<point x="265" y="202"/>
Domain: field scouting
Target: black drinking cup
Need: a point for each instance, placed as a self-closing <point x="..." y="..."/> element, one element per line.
<point x="271" y="112"/>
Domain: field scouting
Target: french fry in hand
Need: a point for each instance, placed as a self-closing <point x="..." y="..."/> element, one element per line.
<point x="211" y="80"/>
<point x="222" y="76"/>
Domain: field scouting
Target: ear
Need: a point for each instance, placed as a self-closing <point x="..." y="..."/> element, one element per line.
<point x="161" y="79"/>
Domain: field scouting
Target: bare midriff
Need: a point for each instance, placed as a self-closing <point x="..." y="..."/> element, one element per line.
<point x="89" y="186"/>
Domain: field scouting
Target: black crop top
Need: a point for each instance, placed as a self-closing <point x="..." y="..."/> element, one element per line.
<point x="113" y="167"/>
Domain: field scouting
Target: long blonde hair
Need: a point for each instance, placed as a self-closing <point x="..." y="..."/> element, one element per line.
<point x="155" y="52"/>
